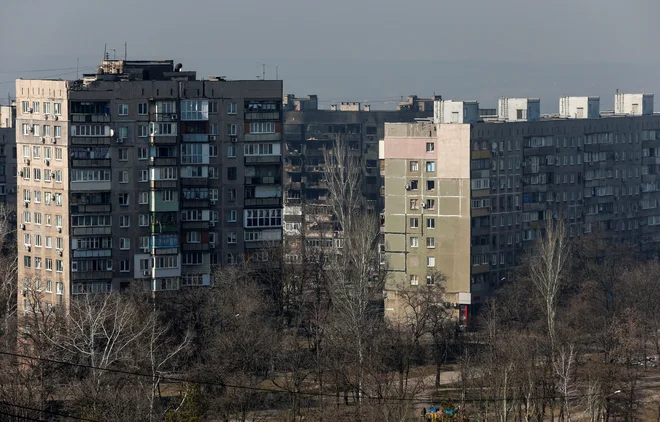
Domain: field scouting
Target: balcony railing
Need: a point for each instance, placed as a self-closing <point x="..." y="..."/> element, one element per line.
<point x="267" y="159"/>
<point x="163" y="161"/>
<point x="77" y="162"/>
<point x="162" y="139"/>
<point x="262" y="137"/>
<point x="251" y="202"/>
<point x="195" y="137"/>
<point x="266" y="180"/>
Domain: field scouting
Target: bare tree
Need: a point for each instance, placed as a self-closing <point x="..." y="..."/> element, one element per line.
<point x="547" y="267"/>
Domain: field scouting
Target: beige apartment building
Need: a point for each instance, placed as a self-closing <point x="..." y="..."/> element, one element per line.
<point x="466" y="197"/>
<point x="142" y="173"/>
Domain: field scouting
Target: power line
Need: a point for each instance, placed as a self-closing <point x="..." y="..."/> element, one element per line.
<point x="22" y="417"/>
<point x="36" y="70"/>
<point x="303" y="393"/>
<point x="51" y="76"/>
<point x="47" y="412"/>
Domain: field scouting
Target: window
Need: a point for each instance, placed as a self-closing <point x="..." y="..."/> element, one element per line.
<point x="213" y="107"/>
<point x="123" y="154"/>
<point x="49" y="264"/>
<point x="58" y="108"/>
<point x="213" y="129"/>
<point x="192" y="258"/>
<point x="36" y="152"/>
<point x="430" y="261"/>
<point x="430" y="242"/>
<point x="231" y="108"/>
<point x="90" y="175"/>
<point x="214" y="173"/>
<point x="123" y="199"/>
<point x="430" y="204"/>
<point x="59" y="243"/>
<point x="231" y="194"/>
<point x="144" y="198"/>
<point x="58" y="220"/>
<point x="414" y="242"/>
<point x="144" y="220"/>
<point x="414" y="166"/>
<point x="414" y="204"/>
<point x="430" y="223"/>
<point x="124" y="265"/>
<point x="231" y="216"/>
<point x="49" y="283"/>
<point x="143" y="153"/>
<point x="262" y="127"/>
<point x="58" y="176"/>
<point x="232" y="129"/>
<point x="37" y="240"/>
<point x="414" y="184"/>
<point x="263" y="218"/>
<point x="414" y="223"/>
<point x="36" y="107"/>
<point x="232" y="173"/>
<point x="167" y="196"/>
<point x="123" y="176"/>
<point x="193" y="237"/>
<point x="124" y="243"/>
<point x="59" y="288"/>
<point x="58" y="154"/>
<point x="26" y="129"/>
<point x="231" y="151"/>
<point x="430" y="166"/>
<point x="231" y="238"/>
<point x="213" y="150"/>
<point x="430" y="147"/>
<point x="27" y="261"/>
<point x="144" y="176"/>
<point x="124" y="221"/>
<point x="123" y="109"/>
<point x="143" y="109"/>
<point x="58" y="132"/>
<point x="430" y="185"/>
<point x="414" y="280"/>
<point x="58" y="199"/>
<point x="194" y="110"/>
<point x="25" y="107"/>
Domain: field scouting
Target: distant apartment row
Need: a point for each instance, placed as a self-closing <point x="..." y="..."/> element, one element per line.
<point x="466" y="194"/>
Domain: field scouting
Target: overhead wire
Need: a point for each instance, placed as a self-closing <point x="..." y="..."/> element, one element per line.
<point x="53" y="76"/>
<point x="47" y="412"/>
<point x="302" y="393"/>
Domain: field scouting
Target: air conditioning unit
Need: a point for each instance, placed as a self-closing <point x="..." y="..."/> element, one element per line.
<point x="407" y="187"/>
<point x="173" y="116"/>
<point x="59" y="229"/>
<point x="59" y="253"/>
<point x="120" y="140"/>
<point x="46" y="117"/>
<point x="23" y="292"/>
<point x="234" y="139"/>
<point x="43" y="140"/>
<point x="30" y="110"/>
<point x="22" y="226"/>
<point x="54" y="141"/>
<point x="26" y="161"/>
<point x="26" y="203"/>
<point x="47" y="162"/>
<point x="212" y="245"/>
<point x="146" y="272"/>
<point x="27" y="248"/>
<point x="213" y="201"/>
<point x="212" y="224"/>
<point x="423" y="205"/>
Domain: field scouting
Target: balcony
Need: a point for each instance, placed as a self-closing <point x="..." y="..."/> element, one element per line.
<point x="195" y="137"/>
<point x="195" y="203"/>
<point x="163" y="161"/>
<point x="263" y="116"/>
<point x="257" y="202"/>
<point x="75" y="162"/>
<point x="265" y="159"/>
<point x="195" y="247"/>
<point x="164" y="228"/>
<point x="91" y="186"/>
<point x="92" y="275"/>
<point x="92" y="253"/>
<point x="251" y="137"/>
<point x="101" y="208"/>
<point x="91" y="231"/>
<point x="194" y="181"/>
<point x="87" y="140"/>
<point x="163" y="184"/>
<point x="196" y="225"/>
<point x="265" y="180"/>
<point x="90" y="117"/>
<point x="162" y="139"/>
<point x="157" y="205"/>
<point x="164" y="117"/>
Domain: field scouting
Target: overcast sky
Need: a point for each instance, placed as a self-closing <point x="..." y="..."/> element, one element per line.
<point x="361" y="50"/>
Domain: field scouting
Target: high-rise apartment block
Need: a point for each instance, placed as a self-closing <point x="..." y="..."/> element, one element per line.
<point x="311" y="132"/>
<point x="468" y="199"/>
<point x="8" y="154"/>
<point x="143" y="173"/>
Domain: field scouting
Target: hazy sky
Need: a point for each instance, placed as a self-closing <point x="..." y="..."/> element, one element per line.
<point x="363" y="50"/>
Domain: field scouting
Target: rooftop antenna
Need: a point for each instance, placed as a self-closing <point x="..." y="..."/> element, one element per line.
<point x="114" y="54"/>
<point x="125" y="50"/>
<point x="263" y="71"/>
<point x="277" y="72"/>
<point x="77" y="66"/>
<point x="105" y="52"/>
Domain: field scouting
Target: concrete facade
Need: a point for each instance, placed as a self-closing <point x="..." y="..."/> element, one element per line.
<point x="519" y="109"/>
<point x="579" y="107"/>
<point x="588" y="172"/>
<point x="142" y="173"/>
<point x="633" y="104"/>
<point x="308" y="134"/>
<point x="448" y="111"/>
<point x="8" y="155"/>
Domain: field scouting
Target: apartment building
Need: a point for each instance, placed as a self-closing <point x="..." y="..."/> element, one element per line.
<point x="468" y="198"/>
<point x="311" y="131"/>
<point x="8" y="154"/>
<point x="142" y="173"/>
